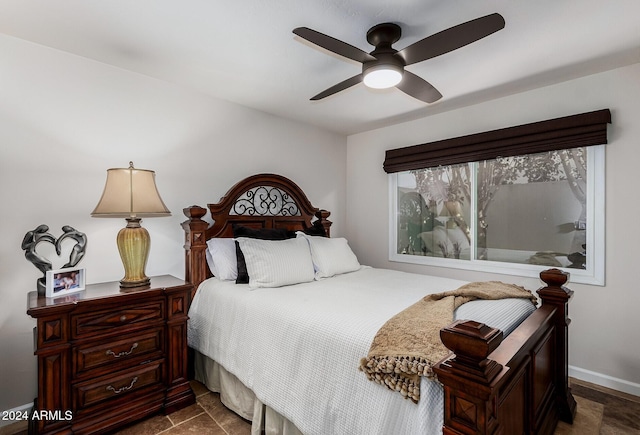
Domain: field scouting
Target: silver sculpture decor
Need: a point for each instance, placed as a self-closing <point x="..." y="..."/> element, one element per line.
<point x="41" y="234"/>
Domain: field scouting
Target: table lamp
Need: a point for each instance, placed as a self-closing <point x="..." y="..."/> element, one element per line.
<point x="131" y="193"/>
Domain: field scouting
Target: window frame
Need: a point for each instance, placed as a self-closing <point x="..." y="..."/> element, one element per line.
<point x="594" y="274"/>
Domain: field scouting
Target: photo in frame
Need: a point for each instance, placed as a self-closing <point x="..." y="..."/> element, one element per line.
<point x="62" y="282"/>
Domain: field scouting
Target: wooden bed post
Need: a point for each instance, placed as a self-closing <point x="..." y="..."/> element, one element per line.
<point x="195" y="245"/>
<point x="557" y="296"/>
<point x="467" y="376"/>
<point x="322" y="216"/>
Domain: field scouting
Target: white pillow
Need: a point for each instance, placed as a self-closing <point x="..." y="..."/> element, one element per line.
<point x="331" y="256"/>
<point x="221" y="258"/>
<point x="275" y="263"/>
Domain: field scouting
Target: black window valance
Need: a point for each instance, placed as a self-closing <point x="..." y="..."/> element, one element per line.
<point x="554" y="134"/>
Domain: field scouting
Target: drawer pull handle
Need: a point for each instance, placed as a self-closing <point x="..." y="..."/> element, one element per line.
<point x="119" y="354"/>
<point x="123" y="318"/>
<point x="123" y="389"/>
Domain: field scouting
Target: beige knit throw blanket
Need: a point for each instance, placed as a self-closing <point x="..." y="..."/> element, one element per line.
<point x="408" y="345"/>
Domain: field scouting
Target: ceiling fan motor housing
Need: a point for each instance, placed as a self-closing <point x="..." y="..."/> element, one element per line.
<point x="382" y="36"/>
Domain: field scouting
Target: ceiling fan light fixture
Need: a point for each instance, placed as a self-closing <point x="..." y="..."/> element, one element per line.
<point x="382" y="76"/>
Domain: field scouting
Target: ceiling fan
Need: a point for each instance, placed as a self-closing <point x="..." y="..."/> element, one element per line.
<point x="384" y="66"/>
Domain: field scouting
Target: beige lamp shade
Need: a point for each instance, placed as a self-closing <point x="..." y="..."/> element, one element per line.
<point x="130" y="192"/>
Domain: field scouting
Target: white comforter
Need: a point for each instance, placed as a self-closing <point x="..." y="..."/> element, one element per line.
<point x="298" y="347"/>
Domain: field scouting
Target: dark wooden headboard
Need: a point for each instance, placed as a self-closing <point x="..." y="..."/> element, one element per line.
<point x="258" y="201"/>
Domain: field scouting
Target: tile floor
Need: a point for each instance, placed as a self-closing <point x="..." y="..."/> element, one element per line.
<point x="600" y="412"/>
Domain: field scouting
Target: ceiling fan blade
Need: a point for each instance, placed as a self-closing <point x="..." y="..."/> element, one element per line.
<point x="452" y="38"/>
<point x="333" y="44"/>
<point x="339" y="87"/>
<point x="418" y="87"/>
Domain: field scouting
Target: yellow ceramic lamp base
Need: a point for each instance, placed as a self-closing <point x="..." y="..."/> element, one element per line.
<point x="133" y="245"/>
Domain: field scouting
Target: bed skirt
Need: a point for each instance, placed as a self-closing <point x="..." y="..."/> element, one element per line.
<point x="240" y="399"/>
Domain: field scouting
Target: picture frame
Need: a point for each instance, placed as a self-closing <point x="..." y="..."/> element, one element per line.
<point x="62" y="282"/>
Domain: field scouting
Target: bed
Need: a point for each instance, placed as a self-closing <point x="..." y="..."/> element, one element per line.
<point x="486" y="384"/>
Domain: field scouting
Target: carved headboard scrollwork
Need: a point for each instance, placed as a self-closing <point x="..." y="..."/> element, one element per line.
<point x="258" y="201"/>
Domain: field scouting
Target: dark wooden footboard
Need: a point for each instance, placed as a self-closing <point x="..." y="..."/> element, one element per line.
<point x="516" y="385"/>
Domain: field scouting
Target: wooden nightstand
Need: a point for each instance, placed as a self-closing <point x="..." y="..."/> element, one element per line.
<point x="109" y="356"/>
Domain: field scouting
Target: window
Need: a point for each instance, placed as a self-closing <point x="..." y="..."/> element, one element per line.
<point x="515" y="214"/>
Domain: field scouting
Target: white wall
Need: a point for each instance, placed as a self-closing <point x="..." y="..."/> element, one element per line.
<point x="604" y="330"/>
<point x="64" y="120"/>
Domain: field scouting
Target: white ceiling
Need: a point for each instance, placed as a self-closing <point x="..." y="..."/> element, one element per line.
<point x="244" y="50"/>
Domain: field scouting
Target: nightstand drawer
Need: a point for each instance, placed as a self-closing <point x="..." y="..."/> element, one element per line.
<point x="113" y="319"/>
<point x="103" y="353"/>
<point x="119" y="385"/>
